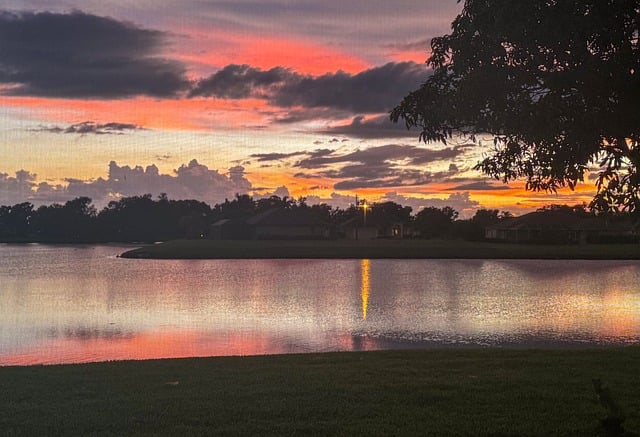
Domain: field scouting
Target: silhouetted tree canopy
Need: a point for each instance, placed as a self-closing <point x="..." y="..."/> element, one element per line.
<point x="72" y="221"/>
<point x="392" y="210"/>
<point x="144" y="219"/>
<point x="435" y="222"/>
<point x="242" y="206"/>
<point x="15" y="220"/>
<point x="555" y="82"/>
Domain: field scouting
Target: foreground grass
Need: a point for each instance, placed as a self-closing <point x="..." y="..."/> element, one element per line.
<point x="424" y="392"/>
<point x="373" y="249"/>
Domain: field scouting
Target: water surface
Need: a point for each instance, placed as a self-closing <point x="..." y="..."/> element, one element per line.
<point x="64" y="304"/>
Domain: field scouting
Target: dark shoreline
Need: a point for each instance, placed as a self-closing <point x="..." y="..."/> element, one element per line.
<point x="378" y="249"/>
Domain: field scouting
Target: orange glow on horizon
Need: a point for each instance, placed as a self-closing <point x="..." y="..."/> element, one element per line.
<point x="199" y="114"/>
<point x="514" y="199"/>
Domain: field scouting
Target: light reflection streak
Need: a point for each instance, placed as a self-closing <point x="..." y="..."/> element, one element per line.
<point x="63" y="304"/>
<point x="364" y="286"/>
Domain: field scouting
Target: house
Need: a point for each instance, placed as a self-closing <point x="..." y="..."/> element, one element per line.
<point x="286" y="224"/>
<point x="378" y="226"/>
<point x="560" y="227"/>
<point x="539" y="226"/>
<point x="608" y="230"/>
<point x="230" y="229"/>
<point x="355" y="229"/>
<point x="193" y="226"/>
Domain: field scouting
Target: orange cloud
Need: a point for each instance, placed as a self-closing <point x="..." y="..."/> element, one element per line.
<point x="274" y="177"/>
<point x="206" y="51"/>
<point x="182" y="114"/>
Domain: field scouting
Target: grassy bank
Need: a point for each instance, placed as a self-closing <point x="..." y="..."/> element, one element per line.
<point x="374" y="249"/>
<point x="423" y="392"/>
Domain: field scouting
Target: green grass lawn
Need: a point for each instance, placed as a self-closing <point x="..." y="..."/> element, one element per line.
<point x="374" y="249"/>
<point x="418" y="392"/>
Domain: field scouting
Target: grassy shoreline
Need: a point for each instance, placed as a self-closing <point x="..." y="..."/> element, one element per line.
<point x="413" y="392"/>
<point x="378" y="249"/>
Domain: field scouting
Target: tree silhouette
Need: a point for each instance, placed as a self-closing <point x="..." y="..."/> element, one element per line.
<point x="435" y="222"/>
<point x="274" y="201"/>
<point x="391" y="210"/>
<point x="143" y="219"/>
<point x="243" y="206"/>
<point x="15" y="220"/>
<point x="555" y="83"/>
<point x="478" y="223"/>
<point x="69" y="222"/>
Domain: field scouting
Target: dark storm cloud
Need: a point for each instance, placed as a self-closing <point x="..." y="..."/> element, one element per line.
<point x="262" y="157"/>
<point x="82" y="55"/>
<point x="422" y="44"/>
<point x="90" y="127"/>
<point x="383" y="178"/>
<point x="383" y="175"/>
<point x="378" y="167"/>
<point x="298" y="115"/>
<point x="243" y="81"/>
<point x="276" y="156"/>
<point x="479" y="186"/>
<point x="320" y="152"/>
<point x="377" y="127"/>
<point x="375" y="90"/>
<point x="407" y="154"/>
<point x="378" y="89"/>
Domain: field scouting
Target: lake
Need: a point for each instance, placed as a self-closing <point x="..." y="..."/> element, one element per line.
<point x="71" y="304"/>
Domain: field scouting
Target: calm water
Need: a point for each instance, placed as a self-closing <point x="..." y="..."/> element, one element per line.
<point x="78" y="304"/>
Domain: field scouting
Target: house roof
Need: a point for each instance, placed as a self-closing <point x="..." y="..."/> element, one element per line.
<point x="373" y="220"/>
<point x="557" y="220"/>
<point x="228" y="222"/>
<point x="221" y="222"/>
<point x="542" y="220"/>
<point x="286" y="217"/>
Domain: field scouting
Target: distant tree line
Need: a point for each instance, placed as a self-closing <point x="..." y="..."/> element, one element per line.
<point x="137" y="218"/>
<point x="145" y="219"/>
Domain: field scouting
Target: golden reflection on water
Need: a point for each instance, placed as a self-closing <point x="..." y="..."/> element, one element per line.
<point x="364" y="286"/>
<point x="621" y="313"/>
<point x="68" y="304"/>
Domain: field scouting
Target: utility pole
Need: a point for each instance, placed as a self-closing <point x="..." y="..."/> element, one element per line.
<point x="357" y="206"/>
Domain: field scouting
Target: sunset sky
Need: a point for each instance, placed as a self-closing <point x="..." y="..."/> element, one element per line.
<point x="207" y="98"/>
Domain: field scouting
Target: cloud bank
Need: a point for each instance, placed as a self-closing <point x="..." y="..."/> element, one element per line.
<point x="191" y="181"/>
<point x="392" y="165"/>
<point x="91" y="127"/>
<point x="371" y="128"/>
<point x="78" y="55"/>
<point x="374" y="90"/>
